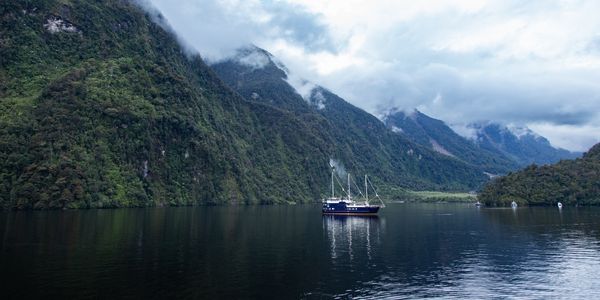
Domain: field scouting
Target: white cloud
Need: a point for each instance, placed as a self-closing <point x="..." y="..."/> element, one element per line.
<point x="576" y="138"/>
<point x="534" y="62"/>
<point x="254" y="59"/>
<point x="303" y="87"/>
<point x="465" y="130"/>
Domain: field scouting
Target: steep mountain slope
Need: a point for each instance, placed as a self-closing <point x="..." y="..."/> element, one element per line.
<point x="101" y="107"/>
<point x="496" y="148"/>
<point x="361" y="142"/>
<point x="569" y="181"/>
<point x="521" y="144"/>
<point x="435" y="134"/>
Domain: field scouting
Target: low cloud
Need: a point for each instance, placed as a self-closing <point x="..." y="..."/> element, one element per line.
<point x="218" y="28"/>
<point x="460" y="61"/>
<point x="575" y="138"/>
<point x="338" y="167"/>
<point x="254" y="59"/>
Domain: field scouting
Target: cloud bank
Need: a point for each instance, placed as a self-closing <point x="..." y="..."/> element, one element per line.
<point x="532" y="63"/>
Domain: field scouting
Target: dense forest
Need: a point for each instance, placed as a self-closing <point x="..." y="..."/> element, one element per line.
<point x="359" y="140"/>
<point x="100" y="106"/>
<point x="572" y="182"/>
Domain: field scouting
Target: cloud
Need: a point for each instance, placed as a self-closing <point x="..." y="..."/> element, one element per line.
<point x="517" y="62"/>
<point x="217" y="28"/>
<point x="576" y="138"/>
<point x="253" y="59"/>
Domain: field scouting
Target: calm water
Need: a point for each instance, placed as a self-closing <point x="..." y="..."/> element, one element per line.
<point x="409" y="251"/>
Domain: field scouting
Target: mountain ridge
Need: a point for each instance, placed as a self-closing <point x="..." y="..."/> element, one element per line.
<point x="496" y="148"/>
<point x="103" y="108"/>
<point x="519" y="143"/>
<point x="355" y="133"/>
<point x="435" y="134"/>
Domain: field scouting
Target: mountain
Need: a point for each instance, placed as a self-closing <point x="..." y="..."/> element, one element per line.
<point x="436" y="135"/>
<point x="360" y="141"/>
<point x="101" y="107"/>
<point x="571" y="182"/>
<point x="518" y="143"/>
<point x="495" y="148"/>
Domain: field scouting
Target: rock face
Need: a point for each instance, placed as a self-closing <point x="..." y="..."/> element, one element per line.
<point x="56" y="25"/>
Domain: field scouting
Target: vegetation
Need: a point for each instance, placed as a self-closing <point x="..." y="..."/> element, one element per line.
<point x="116" y="114"/>
<point x="395" y="194"/>
<point x="360" y="141"/>
<point x="525" y="149"/>
<point x="572" y="182"/>
<point x="101" y="107"/>
<point x="423" y="130"/>
<point x="429" y="196"/>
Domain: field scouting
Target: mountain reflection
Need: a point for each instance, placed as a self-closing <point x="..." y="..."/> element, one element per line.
<point x="409" y="251"/>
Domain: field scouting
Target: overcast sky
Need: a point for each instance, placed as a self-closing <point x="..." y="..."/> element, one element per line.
<point x="533" y="63"/>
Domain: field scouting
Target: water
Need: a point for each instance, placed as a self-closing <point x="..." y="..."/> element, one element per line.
<point x="409" y="251"/>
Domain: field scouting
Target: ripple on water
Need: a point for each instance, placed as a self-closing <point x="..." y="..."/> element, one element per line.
<point x="409" y="251"/>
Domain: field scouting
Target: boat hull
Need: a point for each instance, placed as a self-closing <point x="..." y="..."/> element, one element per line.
<point x="349" y="210"/>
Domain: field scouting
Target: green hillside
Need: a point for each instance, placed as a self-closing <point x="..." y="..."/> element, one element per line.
<point x="361" y="142"/>
<point x="572" y="182"/>
<point x="106" y="110"/>
<point x="101" y="107"/>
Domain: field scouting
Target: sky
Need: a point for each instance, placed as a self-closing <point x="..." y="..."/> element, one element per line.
<point x="523" y="63"/>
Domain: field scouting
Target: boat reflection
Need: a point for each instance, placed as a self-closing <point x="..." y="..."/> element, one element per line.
<point x="350" y="235"/>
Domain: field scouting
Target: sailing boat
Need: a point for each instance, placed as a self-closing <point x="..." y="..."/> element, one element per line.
<point x="346" y="206"/>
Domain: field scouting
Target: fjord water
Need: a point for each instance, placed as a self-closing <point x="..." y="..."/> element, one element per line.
<point x="409" y="251"/>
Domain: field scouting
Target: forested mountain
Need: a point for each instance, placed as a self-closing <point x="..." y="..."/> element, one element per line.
<point x="518" y="143"/>
<point x="435" y="134"/>
<point x="360" y="141"/>
<point x="101" y="107"/>
<point x="571" y="182"/>
<point x="496" y="148"/>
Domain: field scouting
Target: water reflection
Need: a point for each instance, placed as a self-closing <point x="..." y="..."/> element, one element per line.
<point x="409" y="251"/>
<point x="528" y="253"/>
<point x="350" y="234"/>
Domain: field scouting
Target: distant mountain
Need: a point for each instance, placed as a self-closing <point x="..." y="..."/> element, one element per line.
<point x="571" y="182"/>
<point x="436" y="135"/>
<point x="495" y="148"/>
<point x="360" y="141"/>
<point x="518" y="143"/>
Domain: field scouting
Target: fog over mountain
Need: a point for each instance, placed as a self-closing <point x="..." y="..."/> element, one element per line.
<point x="529" y="64"/>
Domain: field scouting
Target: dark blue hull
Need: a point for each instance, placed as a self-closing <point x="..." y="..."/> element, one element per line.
<point x="342" y="208"/>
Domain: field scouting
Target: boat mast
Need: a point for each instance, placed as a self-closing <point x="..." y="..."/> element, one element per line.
<point x="366" y="190"/>
<point x="332" y="186"/>
<point x="349" y="197"/>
